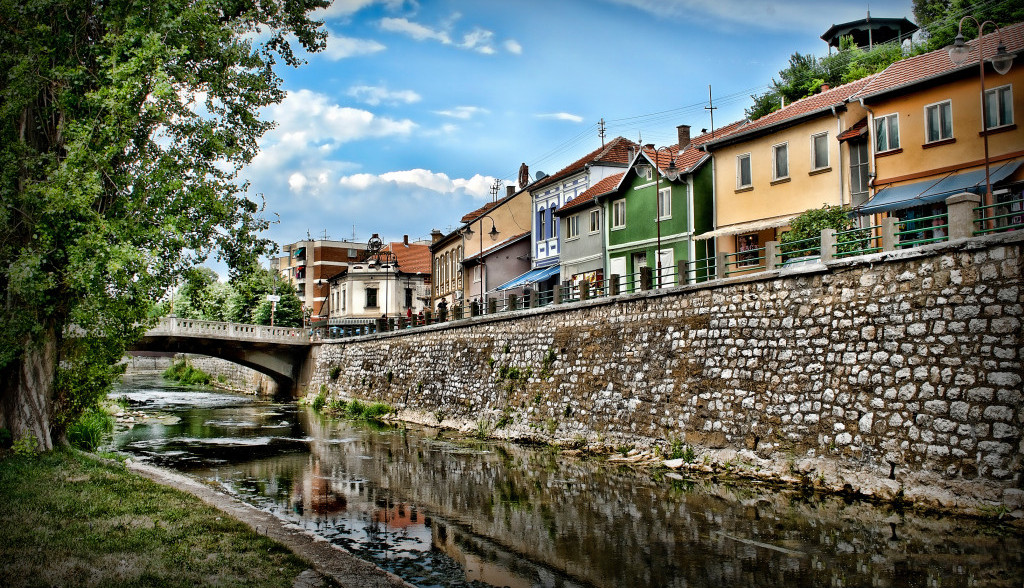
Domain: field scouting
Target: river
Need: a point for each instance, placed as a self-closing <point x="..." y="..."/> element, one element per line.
<point x="439" y="509"/>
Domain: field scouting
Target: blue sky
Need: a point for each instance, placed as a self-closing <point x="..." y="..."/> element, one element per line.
<point x="403" y="123"/>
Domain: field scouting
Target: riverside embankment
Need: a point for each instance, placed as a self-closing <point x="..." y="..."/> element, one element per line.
<point x="894" y="375"/>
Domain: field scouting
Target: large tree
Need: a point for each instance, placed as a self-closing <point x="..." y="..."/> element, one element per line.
<point x="123" y="126"/>
<point x="940" y="19"/>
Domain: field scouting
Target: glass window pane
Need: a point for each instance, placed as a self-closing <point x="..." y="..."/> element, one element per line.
<point x="894" y="131"/>
<point x="880" y="140"/>
<point x="821" y="151"/>
<point x="781" y="163"/>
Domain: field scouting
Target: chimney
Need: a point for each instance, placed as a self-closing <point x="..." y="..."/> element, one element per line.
<point x="510" y="190"/>
<point x="435" y="236"/>
<point x="405" y="240"/>
<point x="684" y="136"/>
<point x="824" y="88"/>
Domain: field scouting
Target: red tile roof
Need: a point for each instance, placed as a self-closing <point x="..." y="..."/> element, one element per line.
<point x="599" y="189"/>
<point x="616" y="151"/>
<point x="807" y="107"/>
<point x="937" y="63"/>
<point x="412" y="258"/>
<point x="858" y="129"/>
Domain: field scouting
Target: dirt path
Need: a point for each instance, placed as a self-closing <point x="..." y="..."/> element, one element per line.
<point x="331" y="562"/>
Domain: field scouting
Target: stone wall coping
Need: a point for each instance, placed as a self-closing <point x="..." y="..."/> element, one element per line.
<point x="808" y="268"/>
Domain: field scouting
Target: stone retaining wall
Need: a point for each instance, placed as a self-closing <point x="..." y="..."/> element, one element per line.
<point x="896" y="374"/>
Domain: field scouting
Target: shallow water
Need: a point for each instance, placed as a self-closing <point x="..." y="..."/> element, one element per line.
<point x="440" y="510"/>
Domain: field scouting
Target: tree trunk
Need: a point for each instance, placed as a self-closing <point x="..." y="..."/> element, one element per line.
<point x="26" y="393"/>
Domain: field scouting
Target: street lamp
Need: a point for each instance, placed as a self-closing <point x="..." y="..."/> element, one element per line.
<point x="493" y="234"/>
<point x="672" y="173"/>
<point x="1001" y="62"/>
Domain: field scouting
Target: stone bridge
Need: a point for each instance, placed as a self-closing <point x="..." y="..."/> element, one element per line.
<point x="278" y="352"/>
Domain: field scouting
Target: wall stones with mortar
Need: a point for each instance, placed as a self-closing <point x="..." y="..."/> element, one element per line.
<point x="892" y="372"/>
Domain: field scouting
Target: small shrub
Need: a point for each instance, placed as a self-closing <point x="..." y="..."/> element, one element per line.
<point x="320" y="400"/>
<point x="26" y="446"/>
<point x="335" y="372"/>
<point x="87" y="433"/>
<point x="505" y="419"/>
<point x="355" y="409"/>
<point x="377" y="410"/>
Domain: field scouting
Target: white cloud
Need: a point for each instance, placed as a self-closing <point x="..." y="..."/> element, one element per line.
<point x="344" y="8"/>
<point x="415" y="30"/>
<point x="375" y="95"/>
<point x="513" y="47"/>
<point x="339" y="47"/>
<point x="795" y="15"/>
<point x="478" y="186"/>
<point x="478" y="40"/>
<point x="562" y="116"/>
<point x="462" y="112"/>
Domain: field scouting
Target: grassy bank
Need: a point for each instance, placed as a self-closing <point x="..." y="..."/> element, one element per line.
<point x="70" y="520"/>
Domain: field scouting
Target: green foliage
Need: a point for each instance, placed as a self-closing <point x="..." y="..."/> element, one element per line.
<point x="805" y="232"/>
<point x="26" y="446"/>
<point x="87" y="371"/>
<point x="87" y="433"/>
<point x="5" y="438"/>
<point x="334" y="372"/>
<point x="680" y="450"/>
<point x="288" y="313"/>
<point x="185" y="373"/>
<point x="319" y="400"/>
<point x="939" y="19"/>
<point x="123" y="127"/>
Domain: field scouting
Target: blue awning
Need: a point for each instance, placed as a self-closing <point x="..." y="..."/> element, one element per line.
<point x="530" y="277"/>
<point x="935" y="190"/>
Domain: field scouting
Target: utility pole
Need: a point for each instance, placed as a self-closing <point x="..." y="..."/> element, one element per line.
<point x="600" y="131"/>
<point x="711" y="108"/>
<point x="495" y="188"/>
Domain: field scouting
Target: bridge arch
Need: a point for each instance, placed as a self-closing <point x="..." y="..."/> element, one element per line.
<point x="277" y="352"/>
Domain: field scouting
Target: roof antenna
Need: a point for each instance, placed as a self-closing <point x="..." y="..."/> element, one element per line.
<point x="711" y="108"/>
<point x="495" y="187"/>
<point x="600" y="131"/>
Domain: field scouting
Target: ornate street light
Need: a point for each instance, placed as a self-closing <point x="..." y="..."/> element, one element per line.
<point x="672" y="173"/>
<point x="1001" y="62"/>
<point x="493" y="233"/>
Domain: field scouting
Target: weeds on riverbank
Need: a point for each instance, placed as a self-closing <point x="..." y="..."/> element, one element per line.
<point x="185" y="373"/>
<point x="69" y="519"/>
<point x="352" y="409"/>
<point x="87" y="433"/>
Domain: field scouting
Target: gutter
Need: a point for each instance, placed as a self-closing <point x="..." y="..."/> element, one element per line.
<point x="872" y="173"/>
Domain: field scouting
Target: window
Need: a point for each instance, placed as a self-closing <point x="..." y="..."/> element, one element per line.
<point x="595" y="221"/>
<point x="819" y="151"/>
<point x="887" y="133"/>
<point x="665" y="203"/>
<point x="999" y="107"/>
<point x="371" y="298"/>
<point x="746" y="250"/>
<point x="343" y="292"/>
<point x="408" y="297"/>
<point x="780" y="161"/>
<point x="938" y="122"/>
<point x="476" y="273"/>
<point x="743" y="179"/>
<point x="618" y="214"/>
<point x="574" y="226"/>
<point x="541" y="235"/>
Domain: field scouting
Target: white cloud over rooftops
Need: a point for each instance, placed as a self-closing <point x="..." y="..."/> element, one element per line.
<point x="375" y="95"/>
<point x="462" y="112"/>
<point x="478" y="39"/>
<point x="562" y="116"/>
<point x="477" y="186"/>
<point x="339" y="47"/>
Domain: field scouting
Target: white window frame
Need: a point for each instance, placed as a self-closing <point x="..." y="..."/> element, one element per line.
<point x="887" y="120"/>
<point x="815" y="164"/>
<point x="739" y="171"/>
<point x="477" y="273"/>
<point x="619" y="214"/>
<point x="665" y="203"/>
<point x="776" y="149"/>
<point x="572" y="229"/>
<point x="992" y="91"/>
<point x="928" y="121"/>
<point x="595" y="221"/>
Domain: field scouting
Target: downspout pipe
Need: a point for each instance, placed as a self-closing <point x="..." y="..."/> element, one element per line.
<point x="839" y="129"/>
<point x="872" y="174"/>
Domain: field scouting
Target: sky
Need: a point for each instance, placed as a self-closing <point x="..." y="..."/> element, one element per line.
<point x="413" y="110"/>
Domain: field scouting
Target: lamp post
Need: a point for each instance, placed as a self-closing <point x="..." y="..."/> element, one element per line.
<point x="493" y="234"/>
<point x="672" y="173"/>
<point x="1001" y="62"/>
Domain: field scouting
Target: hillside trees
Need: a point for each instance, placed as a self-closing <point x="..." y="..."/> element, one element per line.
<point x="123" y="126"/>
<point x="940" y="19"/>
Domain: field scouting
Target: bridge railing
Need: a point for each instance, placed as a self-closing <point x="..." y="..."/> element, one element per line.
<point x="194" y="327"/>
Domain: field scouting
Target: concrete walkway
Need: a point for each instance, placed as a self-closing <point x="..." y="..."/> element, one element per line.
<point x="333" y="564"/>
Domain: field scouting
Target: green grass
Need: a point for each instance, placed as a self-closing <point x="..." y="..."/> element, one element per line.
<point x="68" y="519"/>
<point x="184" y="372"/>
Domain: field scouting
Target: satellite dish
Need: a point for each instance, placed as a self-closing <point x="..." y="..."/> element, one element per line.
<point x="540" y="176"/>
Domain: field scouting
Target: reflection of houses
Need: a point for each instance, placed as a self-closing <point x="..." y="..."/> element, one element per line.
<point x="308" y="264"/>
<point x="391" y="283"/>
<point x="927" y="133"/>
<point x="458" y="274"/>
<point x="770" y="170"/>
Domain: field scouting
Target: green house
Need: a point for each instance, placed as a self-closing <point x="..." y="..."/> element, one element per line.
<point x="656" y="214"/>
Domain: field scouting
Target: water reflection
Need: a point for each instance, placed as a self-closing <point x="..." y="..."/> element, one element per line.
<point x="442" y="511"/>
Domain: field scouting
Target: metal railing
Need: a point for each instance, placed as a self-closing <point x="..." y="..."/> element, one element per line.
<point x="999" y="217"/>
<point x="922" y="230"/>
